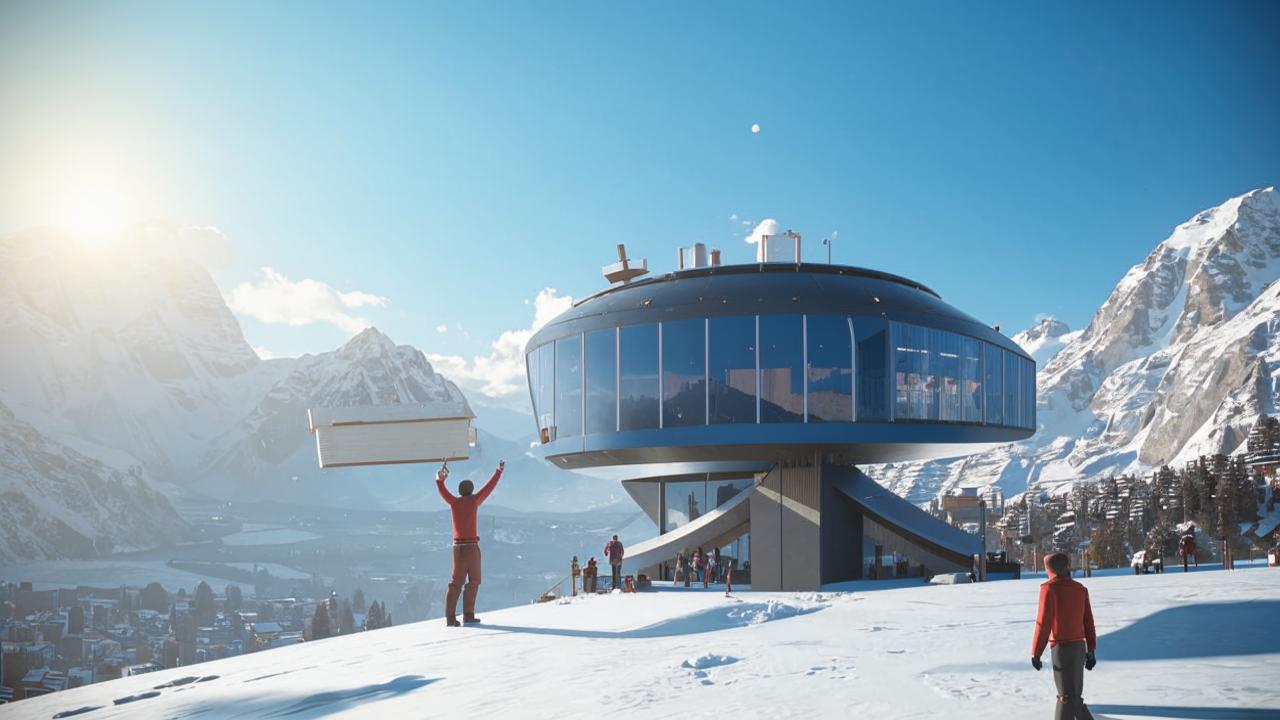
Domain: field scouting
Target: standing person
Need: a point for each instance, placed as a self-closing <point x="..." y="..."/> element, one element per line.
<point x="675" y="580"/>
<point x="466" y="543"/>
<point x="715" y="563"/>
<point x="589" y="576"/>
<point x="1187" y="547"/>
<point x="1065" y="621"/>
<point x="574" y="572"/>
<point x="613" y="550"/>
<point x="697" y="565"/>
<point x="688" y="568"/>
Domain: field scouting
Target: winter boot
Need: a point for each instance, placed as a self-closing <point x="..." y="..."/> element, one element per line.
<point x="452" y="622"/>
<point x="470" y="619"/>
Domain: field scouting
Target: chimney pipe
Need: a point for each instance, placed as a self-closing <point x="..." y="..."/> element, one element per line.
<point x="715" y="257"/>
<point x="680" y="258"/>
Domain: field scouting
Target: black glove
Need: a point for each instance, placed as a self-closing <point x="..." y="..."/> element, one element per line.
<point x="1090" y="660"/>
<point x="1035" y="663"/>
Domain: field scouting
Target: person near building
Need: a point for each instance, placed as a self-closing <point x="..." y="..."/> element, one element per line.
<point x="574" y="571"/>
<point x="590" y="576"/>
<point x="1064" y="622"/>
<point x="466" y="543"/>
<point x="613" y="550"/>
<point x="680" y="568"/>
<point x="1187" y="549"/>
<point x="715" y="565"/>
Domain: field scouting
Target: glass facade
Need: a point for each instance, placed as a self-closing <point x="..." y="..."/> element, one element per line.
<point x="568" y="386"/>
<point x="731" y="351"/>
<point x="830" y="368"/>
<point x="687" y="500"/>
<point x="774" y="369"/>
<point x="638" y="377"/>
<point x="684" y="373"/>
<point x="781" y="368"/>
<point x="992" y="366"/>
<point x="602" y="381"/>
<point x="871" y="368"/>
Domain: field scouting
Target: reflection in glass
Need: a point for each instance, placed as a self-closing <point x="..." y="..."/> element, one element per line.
<point x="945" y="358"/>
<point x="602" y="379"/>
<point x="569" y="386"/>
<point x="684" y="391"/>
<point x="781" y="369"/>
<point x="971" y="379"/>
<point x="1029" y="394"/>
<point x="1012" y="405"/>
<point x="720" y="492"/>
<point x="915" y="399"/>
<point x="638" y="377"/>
<point x="871" y="368"/>
<point x="992" y="364"/>
<point x="830" y="368"/>
<point x="732" y="352"/>
<point x="685" y="502"/>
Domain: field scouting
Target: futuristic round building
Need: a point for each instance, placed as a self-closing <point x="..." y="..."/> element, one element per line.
<point x="738" y="400"/>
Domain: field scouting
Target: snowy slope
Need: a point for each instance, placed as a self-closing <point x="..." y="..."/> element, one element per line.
<point x="58" y="503"/>
<point x="1045" y="339"/>
<point x="1179" y="361"/>
<point x="1196" y="641"/>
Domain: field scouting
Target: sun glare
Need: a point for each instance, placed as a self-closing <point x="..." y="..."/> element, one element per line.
<point x="95" y="204"/>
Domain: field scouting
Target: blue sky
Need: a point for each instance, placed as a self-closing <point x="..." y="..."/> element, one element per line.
<point x="449" y="162"/>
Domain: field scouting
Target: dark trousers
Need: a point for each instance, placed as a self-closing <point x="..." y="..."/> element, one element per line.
<point x="1068" y="675"/>
<point x="617" y="577"/>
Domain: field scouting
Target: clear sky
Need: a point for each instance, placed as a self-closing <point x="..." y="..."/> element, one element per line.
<point x="434" y="167"/>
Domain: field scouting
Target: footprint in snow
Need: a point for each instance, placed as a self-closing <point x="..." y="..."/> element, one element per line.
<point x="135" y="698"/>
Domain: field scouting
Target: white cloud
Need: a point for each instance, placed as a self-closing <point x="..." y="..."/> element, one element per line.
<point x="276" y="299"/>
<point x="733" y="216"/>
<point x="502" y="371"/>
<point x="442" y="328"/>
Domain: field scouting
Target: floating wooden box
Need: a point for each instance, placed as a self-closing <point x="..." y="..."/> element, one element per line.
<point x="389" y="435"/>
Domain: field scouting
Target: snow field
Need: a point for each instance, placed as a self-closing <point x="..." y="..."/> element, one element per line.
<point x="1169" y="646"/>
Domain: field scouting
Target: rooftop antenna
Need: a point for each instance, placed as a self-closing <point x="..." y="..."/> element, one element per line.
<point x="623" y="271"/>
<point x="828" y="241"/>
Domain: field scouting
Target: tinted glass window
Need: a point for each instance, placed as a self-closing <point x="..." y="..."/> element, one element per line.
<point x="732" y="351"/>
<point x="1012" y="405"/>
<point x="685" y="502"/>
<point x="944" y="356"/>
<point x="569" y="386"/>
<point x="1029" y="394"/>
<point x="992" y="363"/>
<point x="970" y="379"/>
<point x="781" y="369"/>
<point x="638" y="377"/>
<point x="871" y="368"/>
<point x="830" y="368"/>
<point x="602" y="380"/>
<point x="684" y="359"/>
<point x="542" y="366"/>
<point x="915" y="391"/>
<point x="720" y="492"/>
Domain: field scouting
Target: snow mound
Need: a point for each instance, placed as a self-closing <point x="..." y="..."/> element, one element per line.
<point x="702" y="662"/>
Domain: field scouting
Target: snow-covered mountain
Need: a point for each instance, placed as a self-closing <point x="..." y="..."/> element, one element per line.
<point x="1044" y="339"/>
<point x="125" y="362"/>
<point x="1178" y="361"/>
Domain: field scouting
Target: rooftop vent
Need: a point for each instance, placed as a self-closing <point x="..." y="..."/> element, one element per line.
<point x="696" y="257"/>
<point x="779" y="248"/>
<point x="624" y="271"/>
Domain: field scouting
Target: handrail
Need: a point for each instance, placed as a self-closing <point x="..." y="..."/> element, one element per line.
<point x="557" y="584"/>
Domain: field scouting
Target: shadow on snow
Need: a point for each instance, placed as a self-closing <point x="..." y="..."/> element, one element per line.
<point x="1190" y="713"/>
<point x="1199" y="630"/>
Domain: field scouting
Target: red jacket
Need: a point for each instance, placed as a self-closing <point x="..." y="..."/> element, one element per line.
<point x="613" y="551"/>
<point x="1065" y="615"/>
<point x="464" y="508"/>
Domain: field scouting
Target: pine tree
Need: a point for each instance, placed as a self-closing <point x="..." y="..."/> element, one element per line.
<point x="321" y="628"/>
<point x="347" y="623"/>
<point x="205" y="608"/>
<point x="373" y="618"/>
<point x="357" y="600"/>
<point x="235" y="599"/>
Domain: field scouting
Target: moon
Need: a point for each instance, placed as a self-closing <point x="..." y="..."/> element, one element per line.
<point x="755" y="129"/>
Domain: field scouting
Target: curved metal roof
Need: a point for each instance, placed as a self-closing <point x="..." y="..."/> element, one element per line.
<point x="767" y="288"/>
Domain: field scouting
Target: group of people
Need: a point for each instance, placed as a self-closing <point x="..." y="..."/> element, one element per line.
<point x="613" y="552"/>
<point x="699" y="566"/>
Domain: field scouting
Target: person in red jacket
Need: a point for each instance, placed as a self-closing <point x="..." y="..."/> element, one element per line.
<point x="1065" y="621"/>
<point x="613" y="550"/>
<point x="1187" y="548"/>
<point x="466" y="544"/>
